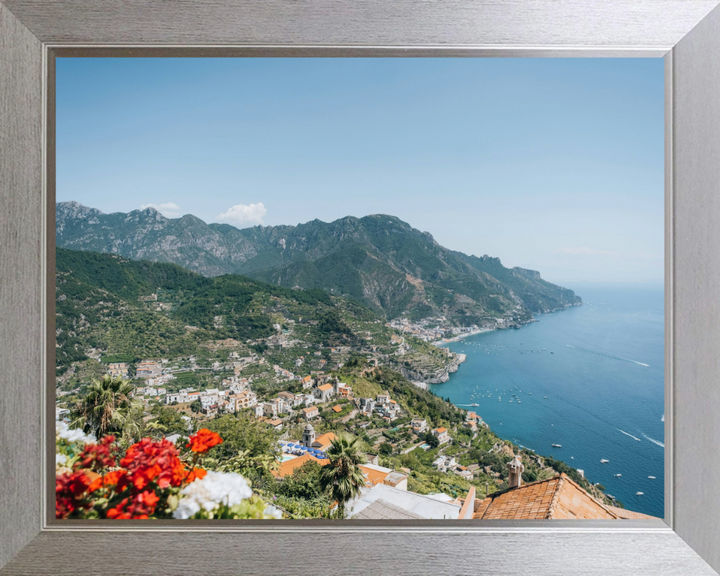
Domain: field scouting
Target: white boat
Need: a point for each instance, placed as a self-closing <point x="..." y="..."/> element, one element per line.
<point x="557" y="445"/>
<point x="651" y="477"/>
<point x="545" y="397"/>
<point x="603" y="461"/>
<point x="639" y="493"/>
<point x="618" y="475"/>
<point x="519" y="401"/>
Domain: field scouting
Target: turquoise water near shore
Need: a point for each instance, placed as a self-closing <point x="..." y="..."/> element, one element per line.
<point x="601" y="367"/>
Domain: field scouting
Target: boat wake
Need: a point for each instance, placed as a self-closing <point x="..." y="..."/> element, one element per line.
<point x="631" y="436"/>
<point x="609" y="356"/>
<point x="661" y="444"/>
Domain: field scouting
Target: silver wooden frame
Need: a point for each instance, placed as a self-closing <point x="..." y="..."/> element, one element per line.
<point x="685" y="32"/>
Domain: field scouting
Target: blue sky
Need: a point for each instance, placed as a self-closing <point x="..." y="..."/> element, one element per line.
<point x="549" y="164"/>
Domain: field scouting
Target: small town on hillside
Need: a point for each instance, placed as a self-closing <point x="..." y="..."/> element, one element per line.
<point x="413" y="466"/>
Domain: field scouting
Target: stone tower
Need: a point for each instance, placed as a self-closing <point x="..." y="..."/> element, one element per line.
<point x="308" y="435"/>
<point x="515" y="468"/>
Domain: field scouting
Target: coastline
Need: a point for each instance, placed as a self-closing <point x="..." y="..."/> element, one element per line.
<point x="547" y="453"/>
<point x="463" y="335"/>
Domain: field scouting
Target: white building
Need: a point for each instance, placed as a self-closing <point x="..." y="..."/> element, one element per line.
<point x="384" y="502"/>
<point x="324" y="393"/>
<point x="444" y="463"/>
<point x="419" y="425"/>
<point x="178" y="397"/>
<point x="367" y="405"/>
<point x="442" y="435"/>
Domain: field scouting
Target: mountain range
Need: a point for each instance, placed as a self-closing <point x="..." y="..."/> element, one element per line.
<point x="378" y="260"/>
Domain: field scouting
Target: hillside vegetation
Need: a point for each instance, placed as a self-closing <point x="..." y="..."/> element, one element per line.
<point x="379" y="261"/>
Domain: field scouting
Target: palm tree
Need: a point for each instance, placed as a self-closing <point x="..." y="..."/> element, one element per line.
<point x="342" y="476"/>
<point x="107" y="408"/>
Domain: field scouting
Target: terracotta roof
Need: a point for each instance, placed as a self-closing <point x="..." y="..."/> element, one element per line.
<point x="337" y="408"/>
<point x="325" y="387"/>
<point x="309" y="409"/>
<point x="372" y="476"/>
<point x="289" y="466"/>
<point x="325" y="440"/>
<point x="558" y="498"/>
<point x="630" y="515"/>
<point x="440" y="430"/>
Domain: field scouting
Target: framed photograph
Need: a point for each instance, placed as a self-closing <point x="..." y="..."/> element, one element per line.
<point x="436" y="286"/>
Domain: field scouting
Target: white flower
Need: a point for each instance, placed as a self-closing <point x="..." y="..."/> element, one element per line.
<point x="214" y="489"/>
<point x="60" y="459"/>
<point x="63" y="431"/>
<point x="270" y="510"/>
<point x="187" y="508"/>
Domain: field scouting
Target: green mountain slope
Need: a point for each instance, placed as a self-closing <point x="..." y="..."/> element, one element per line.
<point x="144" y="309"/>
<point x="379" y="261"/>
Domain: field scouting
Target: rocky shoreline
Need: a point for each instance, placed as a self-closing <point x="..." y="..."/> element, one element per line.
<point x="449" y="369"/>
<point x="423" y="379"/>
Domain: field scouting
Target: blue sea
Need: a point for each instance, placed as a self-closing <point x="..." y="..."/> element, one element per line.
<point x="590" y="378"/>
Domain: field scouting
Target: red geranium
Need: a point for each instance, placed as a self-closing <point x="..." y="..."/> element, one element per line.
<point x="69" y="488"/>
<point x="135" y="508"/>
<point x="148" y="461"/>
<point x="97" y="456"/>
<point x="134" y="486"/>
<point x="204" y="440"/>
<point x="117" y="479"/>
<point x="195" y="474"/>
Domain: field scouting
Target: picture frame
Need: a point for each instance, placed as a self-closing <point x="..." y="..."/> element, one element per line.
<point x="685" y="33"/>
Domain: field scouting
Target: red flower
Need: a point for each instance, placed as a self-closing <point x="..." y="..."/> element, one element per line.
<point x="204" y="440"/>
<point x="149" y="461"/>
<point x="196" y="474"/>
<point x="97" y="456"/>
<point x="148" y="466"/>
<point x="117" y="513"/>
<point x="116" y="479"/>
<point x="149" y="499"/>
<point x="69" y="489"/>
<point x="136" y="508"/>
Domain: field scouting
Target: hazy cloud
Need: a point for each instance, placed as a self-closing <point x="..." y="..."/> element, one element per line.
<point x="585" y="251"/>
<point x="168" y="209"/>
<point x="244" y="214"/>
